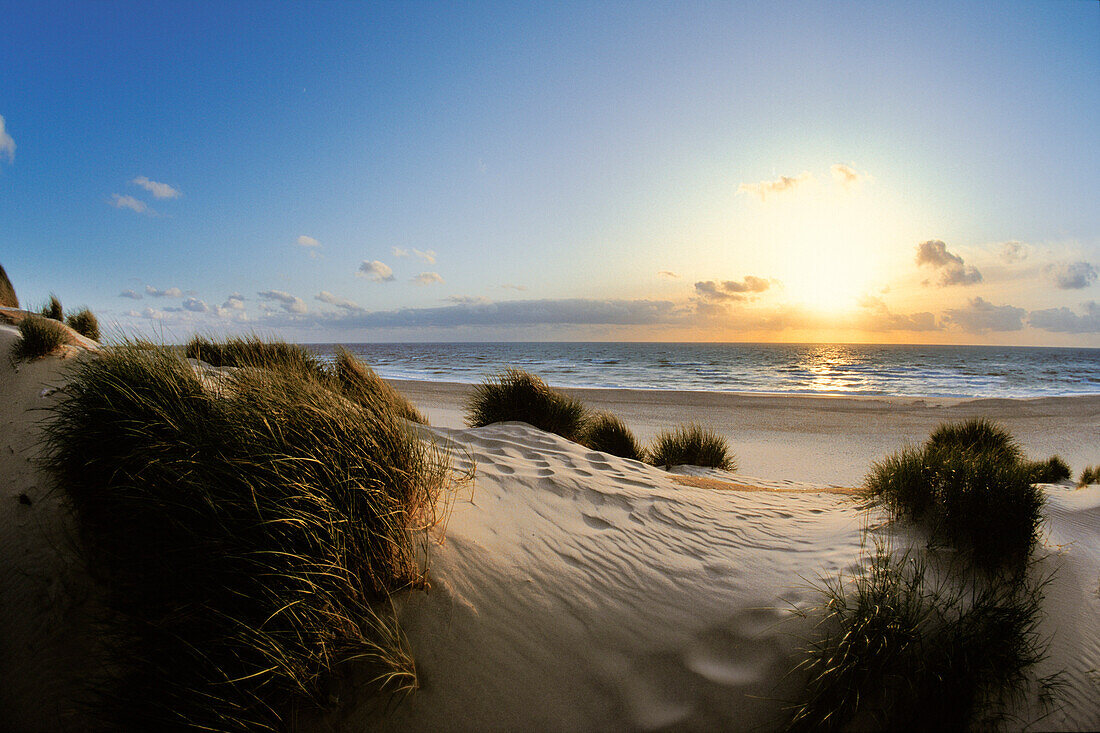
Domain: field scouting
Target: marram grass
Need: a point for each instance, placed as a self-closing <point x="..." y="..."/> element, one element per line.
<point x="39" y="336"/>
<point x="247" y="537"/>
<point x="85" y="323"/>
<point x="361" y="383"/>
<point x="518" y="395"/>
<point x="691" y="445"/>
<point x="609" y="434"/>
<point x="1090" y="475"/>
<point x="52" y="309"/>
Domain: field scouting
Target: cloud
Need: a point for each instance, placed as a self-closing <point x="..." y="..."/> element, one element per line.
<point x="326" y="297"/>
<point x="846" y="176"/>
<point x="980" y="316"/>
<point x="376" y="271"/>
<point x="304" y="241"/>
<point x="7" y="144"/>
<point x="150" y="313"/>
<point x="424" y="256"/>
<point x="234" y="302"/>
<point x="669" y="274"/>
<point x="129" y="202"/>
<point x="169" y="293"/>
<point x="953" y="271"/>
<point x="878" y="317"/>
<point x="290" y="303"/>
<point x="468" y="299"/>
<point x="731" y="289"/>
<point x="1071" y="275"/>
<point x="428" y="278"/>
<point x="159" y="190"/>
<point x="1013" y="252"/>
<point x="195" y="306"/>
<point x="1063" y="320"/>
<point x="132" y="294"/>
<point x="765" y="189"/>
<point x="510" y="286"/>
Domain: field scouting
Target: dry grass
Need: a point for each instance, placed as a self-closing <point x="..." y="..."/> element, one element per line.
<point x="39" y="337"/>
<point x="609" y="434"/>
<point x="691" y="445"/>
<point x="517" y="395"/>
<point x="362" y="384"/>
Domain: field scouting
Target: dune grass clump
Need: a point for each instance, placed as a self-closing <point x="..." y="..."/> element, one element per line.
<point x="968" y="485"/>
<point x="245" y="534"/>
<point x="8" y="298"/>
<point x="518" y="395"/>
<point x="1091" y="475"/>
<point x="899" y="651"/>
<point x="361" y="383"/>
<point x="53" y="309"/>
<point x="85" y="323"/>
<point x="1050" y="471"/>
<point x="609" y="434"/>
<point x="252" y="351"/>
<point x="38" y="337"/>
<point x="691" y="445"/>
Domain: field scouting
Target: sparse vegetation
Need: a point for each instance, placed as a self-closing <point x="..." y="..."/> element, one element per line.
<point x="53" y="309"/>
<point x="1091" y="475"/>
<point x="517" y="395"/>
<point x="39" y="337"/>
<point x="609" y="434"/>
<point x="969" y="487"/>
<point x="85" y="323"/>
<point x="247" y="534"/>
<point x="252" y="351"/>
<point x="1050" y="471"/>
<point x="899" y="651"/>
<point x="8" y="298"/>
<point x="691" y="445"/>
<point x="362" y="384"/>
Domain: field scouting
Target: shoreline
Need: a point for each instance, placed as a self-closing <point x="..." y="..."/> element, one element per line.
<point x="820" y="439"/>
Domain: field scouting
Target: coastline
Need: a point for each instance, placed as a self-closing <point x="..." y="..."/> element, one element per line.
<point x="822" y="439"/>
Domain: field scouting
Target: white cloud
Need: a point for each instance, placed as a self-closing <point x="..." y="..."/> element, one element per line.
<point x="953" y="271"/>
<point x="1072" y="275"/>
<point x="979" y="316"/>
<point x="669" y="274"/>
<point x="195" y="306"/>
<point x="7" y="144"/>
<point x="132" y="294"/>
<point x="1013" y="252"/>
<point x="234" y="302"/>
<point x="428" y="278"/>
<point x="847" y="176"/>
<point x="169" y="293"/>
<point x="424" y="256"/>
<point x="129" y="202"/>
<point x="304" y="241"/>
<point x="290" y="303"/>
<point x="376" y="271"/>
<point x="783" y="184"/>
<point x="326" y="297"/>
<point x="159" y="190"/>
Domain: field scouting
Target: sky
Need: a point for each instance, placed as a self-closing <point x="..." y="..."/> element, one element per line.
<point x="638" y="171"/>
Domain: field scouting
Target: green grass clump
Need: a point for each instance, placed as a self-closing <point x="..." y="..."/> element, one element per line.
<point x="252" y="351"/>
<point x="974" y="495"/>
<point x="517" y="395"/>
<point x="245" y="533"/>
<point x="53" y="309"/>
<point x="362" y="384"/>
<point x="1050" y="471"/>
<point x="39" y="337"/>
<point x="976" y="435"/>
<point x="1091" y="475"/>
<point x="85" y="323"/>
<point x="898" y="651"/>
<point x="609" y="434"/>
<point x="691" y="445"/>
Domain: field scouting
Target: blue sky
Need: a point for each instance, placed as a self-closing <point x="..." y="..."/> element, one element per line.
<point x="638" y="171"/>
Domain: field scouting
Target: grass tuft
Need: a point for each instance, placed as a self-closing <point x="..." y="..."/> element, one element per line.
<point x="899" y="651"/>
<point x="85" y="323"/>
<point x="252" y="351"/>
<point x="609" y="434"/>
<point x="8" y="298"/>
<point x="518" y="395"/>
<point x="976" y="435"/>
<point x="1091" y="475"/>
<point x="39" y="337"/>
<point x="1051" y="471"/>
<point x="53" y="309"/>
<point x="975" y="495"/>
<point x="246" y="534"/>
<point x="362" y="384"/>
<point x="691" y="445"/>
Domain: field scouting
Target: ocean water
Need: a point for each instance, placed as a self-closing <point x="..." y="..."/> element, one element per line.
<point x="828" y="369"/>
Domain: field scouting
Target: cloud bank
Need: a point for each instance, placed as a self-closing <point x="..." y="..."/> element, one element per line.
<point x="1063" y="320"/>
<point x="731" y="290"/>
<point x="981" y="316"/>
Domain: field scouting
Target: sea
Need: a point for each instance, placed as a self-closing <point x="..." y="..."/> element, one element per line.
<point x="810" y="369"/>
